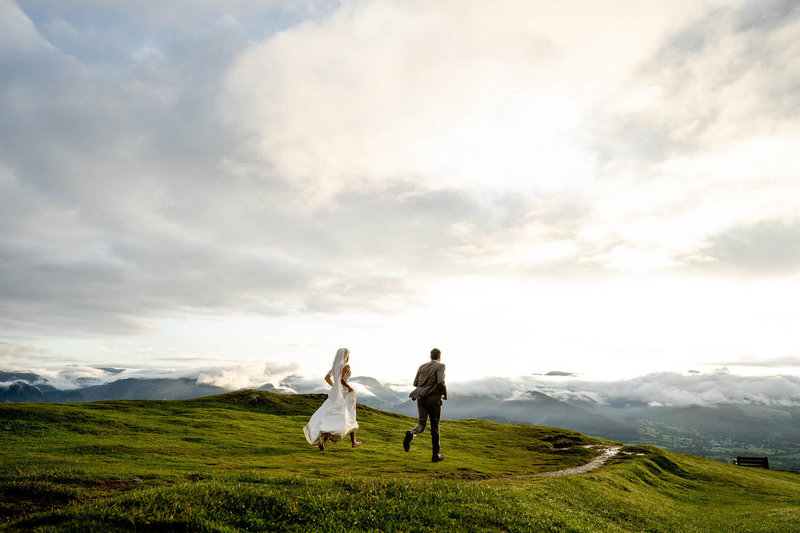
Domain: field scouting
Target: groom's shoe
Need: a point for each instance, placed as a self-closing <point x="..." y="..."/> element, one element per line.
<point x="438" y="457"/>
<point x="407" y="440"/>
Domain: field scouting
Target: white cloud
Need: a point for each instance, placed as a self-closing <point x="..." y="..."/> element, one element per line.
<point x="17" y="33"/>
<point x="700" y="140"/>
<point x="664" y="141"/>
<point x="483" y="96"/>
<point x="231" y="377"/>
<point x="471" y="167"/>
<point x="67" y="377"/>
<point x="710" y="389"/>
<point x="247" y="375"/>
<point x="361" y="390"/>
<point x="659" y="389"/>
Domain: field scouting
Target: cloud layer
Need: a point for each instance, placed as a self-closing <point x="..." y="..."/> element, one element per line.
<point x="670" y="389"/>
<point x="206" y="160"/>
<point x="665" y="389"/>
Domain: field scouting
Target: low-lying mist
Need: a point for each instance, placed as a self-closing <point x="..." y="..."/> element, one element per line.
<point x="670" y="389"/>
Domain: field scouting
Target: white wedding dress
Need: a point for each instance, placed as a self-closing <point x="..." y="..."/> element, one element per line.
<point x="336" y="418"/>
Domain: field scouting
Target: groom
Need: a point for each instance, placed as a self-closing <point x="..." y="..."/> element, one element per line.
<point x="429" y="393"/>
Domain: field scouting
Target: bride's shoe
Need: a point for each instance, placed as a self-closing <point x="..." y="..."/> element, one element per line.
<point x="321" y="446"/>
<point x="356" y="443"/>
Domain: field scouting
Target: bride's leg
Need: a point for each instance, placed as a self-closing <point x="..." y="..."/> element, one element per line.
<point x="321" y="444"/>
<point x="353" y="440"/>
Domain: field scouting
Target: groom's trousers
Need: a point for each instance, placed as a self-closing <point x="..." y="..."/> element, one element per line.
<point x="429" y="407"/>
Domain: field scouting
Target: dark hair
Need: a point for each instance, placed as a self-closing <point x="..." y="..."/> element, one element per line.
<point x="435" y="353"/>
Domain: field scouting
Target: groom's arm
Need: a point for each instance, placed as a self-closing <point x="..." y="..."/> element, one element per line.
<point x="440" y="379"/>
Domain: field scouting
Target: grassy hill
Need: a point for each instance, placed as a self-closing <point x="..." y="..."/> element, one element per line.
<point x="239" y="462"/>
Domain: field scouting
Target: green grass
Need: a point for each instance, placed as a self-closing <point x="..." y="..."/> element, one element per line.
<point x="239" y="462"/>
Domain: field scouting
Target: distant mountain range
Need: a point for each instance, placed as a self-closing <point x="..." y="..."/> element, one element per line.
<point x="30" y="387"/>
<point x="718" y="432"/>
<point x="122" y="389"/>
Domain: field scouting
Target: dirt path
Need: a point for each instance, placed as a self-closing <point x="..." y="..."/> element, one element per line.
<point x="607" y="453"/>
<point x="597" y="462"/>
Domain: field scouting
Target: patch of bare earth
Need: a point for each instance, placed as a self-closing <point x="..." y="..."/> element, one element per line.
<point x="607" y="453"/>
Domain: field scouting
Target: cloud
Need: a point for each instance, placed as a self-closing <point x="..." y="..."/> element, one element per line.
<point x="716" y="388"/>
<point x="493" y="387"/>
<point x="696" y="145"/>
<point x="124" y="204"/>
<point x="10" y="350"/>
<point x="767" y="247"/>
<point x="657" y="389"/>
<point x="82" y="180"/>
<point x="312" y="159"/>
<point x="304" y="385"/>
<point x="663" y="389"/>
<point x="615" y="124"/>
<point x="127" y="200"/>
<point x="227" y="376"/>
<point x="247" y="375"/>
<point x="65" y="377"/>
<point x="449" y="95"/>
<point x="739" y="53"/>
<point x="764" y="362"/>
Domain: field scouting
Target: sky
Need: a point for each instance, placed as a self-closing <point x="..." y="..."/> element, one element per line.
<point x="605" y="188"/>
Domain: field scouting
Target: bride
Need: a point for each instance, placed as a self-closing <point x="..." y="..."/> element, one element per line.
<point x="335" y="418"/>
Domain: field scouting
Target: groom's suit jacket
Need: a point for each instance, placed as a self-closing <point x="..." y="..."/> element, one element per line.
<point x="429" y="381"/>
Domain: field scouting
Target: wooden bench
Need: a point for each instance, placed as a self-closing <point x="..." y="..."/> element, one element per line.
<point x="753" y="462"/>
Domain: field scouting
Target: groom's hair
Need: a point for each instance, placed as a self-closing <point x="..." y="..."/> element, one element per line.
<point x="435" y="354"/>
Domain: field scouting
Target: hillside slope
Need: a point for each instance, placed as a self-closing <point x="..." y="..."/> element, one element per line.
<point x="238" y="462"/>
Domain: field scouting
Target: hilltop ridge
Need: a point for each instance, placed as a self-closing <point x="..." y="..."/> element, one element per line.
<point x="238" y="462"/>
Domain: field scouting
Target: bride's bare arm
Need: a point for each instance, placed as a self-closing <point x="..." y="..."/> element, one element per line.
<point x="328" y="379"/>
<point x="347" y="386"/>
